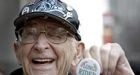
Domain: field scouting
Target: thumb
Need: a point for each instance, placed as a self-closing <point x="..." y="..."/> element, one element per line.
<point x="90" y="53"/>
<point x="94" y="52"/>
<point x="87" y="54"/>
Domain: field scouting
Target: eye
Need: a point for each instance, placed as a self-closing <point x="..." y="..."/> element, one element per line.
<point x="55" y="36"/>
<point x="29" y="33"/>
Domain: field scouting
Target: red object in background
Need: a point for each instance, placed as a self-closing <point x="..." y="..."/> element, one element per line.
<point x="107" y="39"/>
<point x="108" y="23"/>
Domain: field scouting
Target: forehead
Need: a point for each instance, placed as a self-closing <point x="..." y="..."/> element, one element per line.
<point x="40" y="21"/>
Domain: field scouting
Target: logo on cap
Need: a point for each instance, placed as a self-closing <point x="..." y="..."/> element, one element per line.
<point x="25" y="10"/>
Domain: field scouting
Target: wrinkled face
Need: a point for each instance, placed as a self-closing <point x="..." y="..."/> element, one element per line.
<point x="42" y="54"/>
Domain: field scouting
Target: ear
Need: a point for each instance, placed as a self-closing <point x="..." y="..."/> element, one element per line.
<point x="16" y="46"/>
<point x="80" y="54"/>
<point x="80" y="50"/>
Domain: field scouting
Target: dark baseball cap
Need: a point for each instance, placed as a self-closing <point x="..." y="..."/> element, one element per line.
<point x="55" y="9"/>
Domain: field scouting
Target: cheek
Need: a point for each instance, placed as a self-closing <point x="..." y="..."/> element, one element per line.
<point x="66" y="52"/>
<point x="66" y="55"/>
<point x="24" y="53"/>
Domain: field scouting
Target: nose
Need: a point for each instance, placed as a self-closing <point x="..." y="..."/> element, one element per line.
<point x="42" y="43"/>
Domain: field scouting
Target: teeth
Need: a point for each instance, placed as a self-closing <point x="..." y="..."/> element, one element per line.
<point x="42" y="61"/>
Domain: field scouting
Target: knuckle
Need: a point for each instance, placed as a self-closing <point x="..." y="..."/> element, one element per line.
<point x="106" y="48"/>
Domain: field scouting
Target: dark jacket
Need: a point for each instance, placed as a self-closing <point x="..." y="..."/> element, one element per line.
<point x="17" y="72"/>
<point x="20" y="72"/>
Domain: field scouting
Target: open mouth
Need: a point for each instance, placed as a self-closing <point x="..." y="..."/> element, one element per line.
<point x="43" y="60"/>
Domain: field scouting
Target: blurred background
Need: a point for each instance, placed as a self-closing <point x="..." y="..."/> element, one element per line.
<point x="102" y="21"/>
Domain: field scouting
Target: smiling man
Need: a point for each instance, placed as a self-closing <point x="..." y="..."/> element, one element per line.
<point x="47" y="38"/>
<point x="46" y="48"/>
<point x="48" y="42"/>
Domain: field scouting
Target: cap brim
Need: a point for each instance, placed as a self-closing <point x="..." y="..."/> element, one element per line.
<point x="19" y="22"/>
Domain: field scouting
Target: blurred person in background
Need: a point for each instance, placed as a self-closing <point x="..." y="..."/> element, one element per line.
<point x="48" y="43"/>
<point x="1" y="70"/>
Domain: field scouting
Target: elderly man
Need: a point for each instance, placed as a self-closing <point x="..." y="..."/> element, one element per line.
<point x="48" y="43"/>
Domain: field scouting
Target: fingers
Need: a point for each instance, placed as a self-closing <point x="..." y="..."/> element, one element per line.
<point x="112" y="59"/>
<point x="95" y="54"/>
<point x="114" y="56"/>
<point x="110" y="55"/>
<point x="87" y="54"/>
<point x="104" y="52"/>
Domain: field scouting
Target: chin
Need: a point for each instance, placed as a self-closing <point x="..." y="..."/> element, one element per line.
<point x="41" y="69"/>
